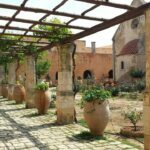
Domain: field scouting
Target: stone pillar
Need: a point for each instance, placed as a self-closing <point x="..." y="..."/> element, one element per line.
<point x="30" y="81"/>
<point x="65" y="94"/>
<point x="147" y="93"/>
<point x="12" y="72"/>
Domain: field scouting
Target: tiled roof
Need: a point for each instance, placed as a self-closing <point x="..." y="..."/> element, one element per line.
<point x="130" y="48"/>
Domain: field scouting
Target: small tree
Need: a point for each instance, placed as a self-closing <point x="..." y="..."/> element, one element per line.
<point x="42" y="68"/>
<point x="134" y="117"/>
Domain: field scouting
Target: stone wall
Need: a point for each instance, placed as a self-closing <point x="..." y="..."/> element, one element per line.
<point x="98" y="64"/>
<point x="126" y="32"/>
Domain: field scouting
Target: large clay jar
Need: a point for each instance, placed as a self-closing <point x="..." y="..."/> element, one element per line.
<point x="19" y="94"/>
<point x="4" y="90"/>
<point x="42" y="101"/>
<point x="10" y="91"/>
<point x="96" y="114"/>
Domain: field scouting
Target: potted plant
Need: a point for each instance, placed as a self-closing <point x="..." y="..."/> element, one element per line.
<point x="42" y="101"/>
<point x="96" y="109"/>
<point x="19" y="93"/>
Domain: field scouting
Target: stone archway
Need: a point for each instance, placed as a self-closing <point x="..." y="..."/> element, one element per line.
<point x="110" y="74"/>
<point x="87" y="74"/>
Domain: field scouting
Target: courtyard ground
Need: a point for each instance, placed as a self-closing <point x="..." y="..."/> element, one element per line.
<point x="22" y="129"/>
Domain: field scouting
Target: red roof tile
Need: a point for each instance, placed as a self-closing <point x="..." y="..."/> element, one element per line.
<point x="130" y="48"/>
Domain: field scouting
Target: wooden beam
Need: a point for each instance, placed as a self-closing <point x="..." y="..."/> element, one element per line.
<point x="45" y="16"/>
<point x="117" y="20"/>
<point x="26" y="41"/>
<point x="110" y="4"/>
<point x="37" y="10"/>
<point x="25" y="29"/>
<point x="15" y="14"/>
<point x="43" y="23"/>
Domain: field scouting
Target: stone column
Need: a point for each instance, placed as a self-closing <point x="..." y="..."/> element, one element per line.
<point x="65" y="94"/>
<point x="12" y="72"/>
<point x="147" y="93"/>
<point x="30" y="81"/>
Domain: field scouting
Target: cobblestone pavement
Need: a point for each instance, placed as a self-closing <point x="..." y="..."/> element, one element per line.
<point x="22" y="129"/>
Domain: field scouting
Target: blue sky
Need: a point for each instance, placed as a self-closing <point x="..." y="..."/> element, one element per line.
<point x="102" y="38"/>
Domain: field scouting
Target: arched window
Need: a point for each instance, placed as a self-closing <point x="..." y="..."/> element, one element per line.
<point x="87" y="74"/>
<point x="122" y="64"/>
<point x="56" y="76"/>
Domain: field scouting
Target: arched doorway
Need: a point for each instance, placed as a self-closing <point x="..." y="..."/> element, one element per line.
<point x="87" y="74"/>
<point x="56" y="76"/>
<point x="110" y="74"/>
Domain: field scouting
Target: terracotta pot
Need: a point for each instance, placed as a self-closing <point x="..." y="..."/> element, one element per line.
<point x="19" y="94"/>
<point x="42" y="101"/>
<point x="4" y="90"/>
<point x="10" y="91"/>
<point x="96" y="115"/>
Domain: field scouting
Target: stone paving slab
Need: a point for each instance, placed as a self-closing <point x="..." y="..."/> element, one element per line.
<point x="22" y="129"/>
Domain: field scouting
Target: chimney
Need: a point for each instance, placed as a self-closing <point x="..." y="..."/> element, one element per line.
<point x="93" y="47"/>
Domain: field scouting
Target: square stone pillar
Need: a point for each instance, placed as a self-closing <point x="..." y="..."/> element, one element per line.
<point x="65" y="94"/>
<point x="147" y="93"/>
<point x="12" y="72"/>
<point x="30" y="81"/>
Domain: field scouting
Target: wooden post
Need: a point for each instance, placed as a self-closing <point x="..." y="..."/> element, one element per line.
<point x="65" y="94"/>
<point x="30" y="81"/>
<point x="147" y="93"/>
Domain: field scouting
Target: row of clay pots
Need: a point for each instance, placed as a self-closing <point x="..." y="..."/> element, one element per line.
<point x="18" y="93"/>
<point x="13" y="92"/>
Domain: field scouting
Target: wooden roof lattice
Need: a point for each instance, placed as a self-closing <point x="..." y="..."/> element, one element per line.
<point x="28" y="35"/>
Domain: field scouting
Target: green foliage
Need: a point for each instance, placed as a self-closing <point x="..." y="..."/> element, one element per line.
<point x="136" y="73"/>
<point x="4" y="81"/>
<point x="133" y="116"/>
<point x="141" y="85"/>
<point x="114" y="91"/>
<point x="85" y="135"/>
<point x="95" y="94"/>
<point x="7" y="43"/>
<point x="57" y="33"/>
<point x="4" y="60"/>
<point x="42" y="68"/>
<point x="42" y="86"/>
<point x="127" y="88"/>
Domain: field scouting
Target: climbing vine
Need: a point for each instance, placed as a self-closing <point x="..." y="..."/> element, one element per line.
<point x="57" y="34"/>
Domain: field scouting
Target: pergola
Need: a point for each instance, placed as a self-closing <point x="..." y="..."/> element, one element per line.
<point x="65" y="75"/>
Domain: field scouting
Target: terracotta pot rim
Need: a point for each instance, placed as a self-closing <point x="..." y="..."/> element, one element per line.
<point x="40" y="90"/>
<point x="97" y="100"/>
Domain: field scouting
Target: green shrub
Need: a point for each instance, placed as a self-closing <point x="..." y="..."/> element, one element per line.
<point x="127" y="88"/>
<point x="114" y="91"/>
<point x="141" y="85"/>
<point x="42" y="86"/>
<point x="136" y="73"/>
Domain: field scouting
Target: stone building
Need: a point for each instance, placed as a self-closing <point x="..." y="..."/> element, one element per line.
<point x="128" y="46"/>
<point x="90" y="62"/>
